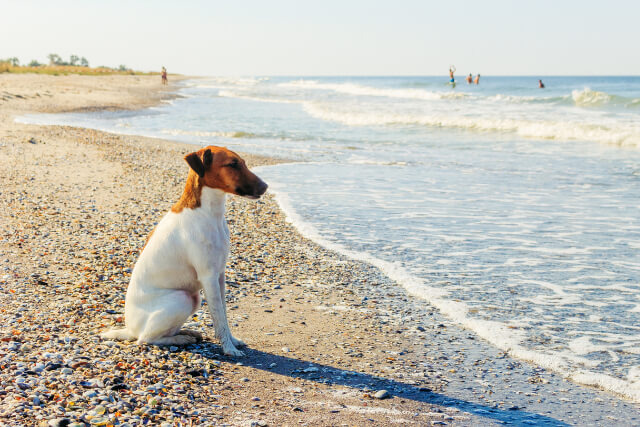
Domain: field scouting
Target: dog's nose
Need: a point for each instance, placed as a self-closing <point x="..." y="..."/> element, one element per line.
<point x="262" y="188"/>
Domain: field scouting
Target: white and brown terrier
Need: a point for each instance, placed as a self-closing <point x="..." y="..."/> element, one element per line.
<point x="188" y="252"/>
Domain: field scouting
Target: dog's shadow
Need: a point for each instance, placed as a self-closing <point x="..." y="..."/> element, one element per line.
<point x="324" y="374"/>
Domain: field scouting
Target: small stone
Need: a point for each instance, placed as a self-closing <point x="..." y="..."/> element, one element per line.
<point x="89" y="394"/>
<point x="382" y="394"/>
<point x="67" y="371"/>
<point x="244" y="379"/>
<point x="285" y="349"/>
<point x="173" y="348"/>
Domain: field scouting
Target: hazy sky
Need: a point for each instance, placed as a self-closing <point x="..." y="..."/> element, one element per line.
<point x="326" y="37"/>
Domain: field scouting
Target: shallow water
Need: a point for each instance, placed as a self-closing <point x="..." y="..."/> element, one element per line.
<point x="514" y="210"/>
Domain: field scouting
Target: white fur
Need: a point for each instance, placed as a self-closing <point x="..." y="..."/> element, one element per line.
<point x="187" y="252"/>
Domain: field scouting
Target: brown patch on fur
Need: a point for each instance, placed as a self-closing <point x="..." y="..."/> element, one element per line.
<point x="191" y="195"/>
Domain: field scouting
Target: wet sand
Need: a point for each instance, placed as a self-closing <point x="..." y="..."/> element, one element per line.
<point x="325" y="334"/>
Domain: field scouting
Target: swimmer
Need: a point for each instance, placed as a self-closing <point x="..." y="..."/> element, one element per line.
<point x="469" y="78"/>
<point x="477" y="80"/>
<point x="452" y="70"/>
<point x="540" y="84"/>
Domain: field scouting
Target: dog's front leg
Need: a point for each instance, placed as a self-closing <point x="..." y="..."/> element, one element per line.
<point x="216" y="303"/>
<point x="221" y="280"/>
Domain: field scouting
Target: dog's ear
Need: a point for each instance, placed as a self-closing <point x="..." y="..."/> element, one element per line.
<point x="207" y="159"/>
<point x="195" y="163"/>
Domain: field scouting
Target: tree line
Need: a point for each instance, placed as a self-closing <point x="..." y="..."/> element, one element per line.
<point x="54" y="59"/>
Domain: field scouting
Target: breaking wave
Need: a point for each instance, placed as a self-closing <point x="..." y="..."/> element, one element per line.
<point x="360" y="90"/>
<point x="239" y="134"/>
<point x="621" y="135"/>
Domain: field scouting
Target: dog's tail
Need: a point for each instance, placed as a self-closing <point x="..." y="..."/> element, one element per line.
<point x="118" y="334"/>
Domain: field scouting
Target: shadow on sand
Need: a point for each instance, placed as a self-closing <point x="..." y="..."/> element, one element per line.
<point x="295" y="368"/>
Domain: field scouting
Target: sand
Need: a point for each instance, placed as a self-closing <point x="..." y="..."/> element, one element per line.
<point x="325" y="334"/>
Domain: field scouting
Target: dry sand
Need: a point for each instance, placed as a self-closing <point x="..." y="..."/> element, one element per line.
<point x="325" y="334"/>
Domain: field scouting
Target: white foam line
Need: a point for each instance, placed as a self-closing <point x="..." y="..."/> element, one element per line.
<point x="496" y="333"/>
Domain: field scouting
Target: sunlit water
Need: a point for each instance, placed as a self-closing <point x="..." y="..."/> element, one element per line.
<point x="514" y="210"/>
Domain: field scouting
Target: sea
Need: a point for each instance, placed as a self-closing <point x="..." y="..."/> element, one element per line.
<point x="514" y="210"/>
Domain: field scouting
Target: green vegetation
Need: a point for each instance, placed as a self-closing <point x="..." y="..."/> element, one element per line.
<point x="57" y="66"/>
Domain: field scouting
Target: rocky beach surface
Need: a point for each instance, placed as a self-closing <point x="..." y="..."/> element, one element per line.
<point x="330" y="341"/>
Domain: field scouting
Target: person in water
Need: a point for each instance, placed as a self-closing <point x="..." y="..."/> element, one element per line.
<point x="452" y="70"/>
<point x="477" y="80"/>
<point x="540" y="84"/>
<point x="469" y="78"/>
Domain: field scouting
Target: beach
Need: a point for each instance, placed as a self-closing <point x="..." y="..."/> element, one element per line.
<point x="331" y="341"/>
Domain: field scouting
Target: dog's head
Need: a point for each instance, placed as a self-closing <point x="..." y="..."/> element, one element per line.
<point x="223" y="169"/>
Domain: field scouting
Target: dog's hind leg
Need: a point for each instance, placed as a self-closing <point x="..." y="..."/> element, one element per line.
<point x="197" y="335"/>
<point x="172" y="340"/>
<point x="162" y="327"/>
<point x="118" y="334"/>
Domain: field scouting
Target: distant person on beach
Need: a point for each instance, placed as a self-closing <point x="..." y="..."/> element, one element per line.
<point x="452" y="70"/>
<point x="540" y="84"/>
<point x="164" y="76"/>
<point x="469" y="78"/>
<point x="477" y="80"/>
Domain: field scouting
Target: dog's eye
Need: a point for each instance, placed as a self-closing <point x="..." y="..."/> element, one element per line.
<point x="233" y="164"/>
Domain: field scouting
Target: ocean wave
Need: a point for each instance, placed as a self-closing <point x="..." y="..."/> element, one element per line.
<point x="218" y="82"/>
<point x="590" y="98"/>
<point x="582" y="98"/>
<point x="593" y="98"/>
<point x="360" y="90"/>
<point x="509" y="340"/>
<point x="623" y="135"/>
<point x="234" y="94"/>
<point x="239" y="134"/>
<point x="520" y="99"/>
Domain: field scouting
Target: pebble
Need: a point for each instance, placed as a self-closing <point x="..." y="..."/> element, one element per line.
<point x="382" y="394"/>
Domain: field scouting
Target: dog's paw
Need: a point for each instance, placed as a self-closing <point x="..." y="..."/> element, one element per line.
<point x="232" y="351"/>
<point x="237" y="342"/>
<point x="196" y="334"/>
<point x="182" y="340"/>
<point x="185" y="339"/>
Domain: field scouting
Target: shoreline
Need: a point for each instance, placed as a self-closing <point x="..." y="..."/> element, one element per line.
<point x="347" y="329"/>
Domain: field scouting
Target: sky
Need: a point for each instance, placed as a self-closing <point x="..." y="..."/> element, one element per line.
<point x="276" y="37"/>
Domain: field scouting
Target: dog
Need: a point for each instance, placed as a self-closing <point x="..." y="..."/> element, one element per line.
<point x="187" y="252"/>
